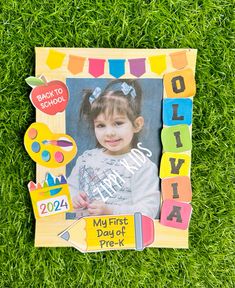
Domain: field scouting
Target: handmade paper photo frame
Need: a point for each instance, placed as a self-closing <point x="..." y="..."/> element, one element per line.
<point x="176" y="69"/>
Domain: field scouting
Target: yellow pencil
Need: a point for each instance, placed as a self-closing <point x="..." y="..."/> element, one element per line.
<point x="111" y="232"/>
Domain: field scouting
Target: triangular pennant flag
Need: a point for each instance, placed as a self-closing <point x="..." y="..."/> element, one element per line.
<point x="76" y="64"/>
<point x="55" y="59"/>
<point x="137" y="66"/>
<point x="117" y="67"/>
<point x="158" y="63"/>
<point x="179" y="59"/>
<point x="96" y="67"/>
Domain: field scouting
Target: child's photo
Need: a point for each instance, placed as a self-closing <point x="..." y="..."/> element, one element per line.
<point x="116" y="125"/>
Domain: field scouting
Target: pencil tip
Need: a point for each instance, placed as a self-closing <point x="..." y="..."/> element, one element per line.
<point x="65" y="236"/>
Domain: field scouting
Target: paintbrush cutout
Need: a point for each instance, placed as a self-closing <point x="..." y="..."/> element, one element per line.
<point x="60" y="143"/>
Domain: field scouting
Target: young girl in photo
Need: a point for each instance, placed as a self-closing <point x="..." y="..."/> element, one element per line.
<point x="116" y="177"/>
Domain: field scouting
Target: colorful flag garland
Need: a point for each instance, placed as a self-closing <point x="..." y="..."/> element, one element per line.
<point x="137" y="66"/>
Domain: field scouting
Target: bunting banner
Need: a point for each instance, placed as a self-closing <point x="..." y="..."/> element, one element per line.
<point x="96" y="67"/>
<point x="179" y="59"/>
<point x="55" y="59"/>
<point x="158" y="64"/>
<point x="76" y="64"/>
<point x="137" y="66"/>
<point x="117" y="67"/>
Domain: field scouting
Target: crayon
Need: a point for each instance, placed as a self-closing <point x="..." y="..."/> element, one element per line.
<point x="60" y="143"/>
<point x="111" y="232"/>
<point x="51" y="182"/>
<point x="39" y="186"/>
<point x="45" y="185"/>
<point x="32" y="186"/>
<point x="63" y="180"/>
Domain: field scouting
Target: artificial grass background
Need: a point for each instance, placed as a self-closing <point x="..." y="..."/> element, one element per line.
<point x="205" y="25"/>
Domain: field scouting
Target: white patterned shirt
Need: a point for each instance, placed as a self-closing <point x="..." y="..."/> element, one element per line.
<point x="127" y="183"/>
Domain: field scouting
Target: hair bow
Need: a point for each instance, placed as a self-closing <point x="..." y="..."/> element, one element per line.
<point x="96" y="93"/>
<point x="127" y="89"/>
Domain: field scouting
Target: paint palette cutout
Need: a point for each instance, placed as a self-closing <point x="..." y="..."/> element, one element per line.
<point x="50" y="197"/>
<point x="49" y="149"/>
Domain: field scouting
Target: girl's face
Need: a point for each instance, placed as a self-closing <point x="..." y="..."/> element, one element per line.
<point x="115" y="133"/>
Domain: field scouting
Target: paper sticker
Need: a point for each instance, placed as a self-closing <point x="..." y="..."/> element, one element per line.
<point x="174" y="164"/>
<point x="55" y="59"/>
<point x="177" y="188"/>
<point x="53" y="198"/>
<point x="177" y="111"/>
<point x="179" y="59"/>
<point x="157" y="63"/>
<point x="176" y="138"/>
<point x="49" y="97"/>
<point x="137" y="66"/>
<point x="117" y="67"/>
<point x="112" y="232"/>
<point x="49" y="149"/>
<point x="175" y="214"/>
<point x="179" y="84"/>
<point x="76" y="64"/>
<point x="96" y="67"/>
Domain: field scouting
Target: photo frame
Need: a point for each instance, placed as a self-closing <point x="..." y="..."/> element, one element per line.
<point x="174" y="69"/>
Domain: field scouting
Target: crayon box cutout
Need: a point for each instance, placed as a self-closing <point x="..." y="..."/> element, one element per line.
<point x="50" y="200"/>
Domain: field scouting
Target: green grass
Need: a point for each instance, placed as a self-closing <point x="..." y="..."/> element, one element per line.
<point x="205" y="25"/>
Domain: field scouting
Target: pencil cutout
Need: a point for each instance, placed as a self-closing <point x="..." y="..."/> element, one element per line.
<point x="110" y="232"/>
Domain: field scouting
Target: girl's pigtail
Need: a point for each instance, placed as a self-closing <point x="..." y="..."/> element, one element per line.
<point x="85" y="107"/>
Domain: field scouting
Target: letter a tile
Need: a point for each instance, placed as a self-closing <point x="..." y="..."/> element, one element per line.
<point x="176" y="214"/>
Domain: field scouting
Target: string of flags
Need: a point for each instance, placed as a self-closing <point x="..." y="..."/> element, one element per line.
<point x="137" y="66"/>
